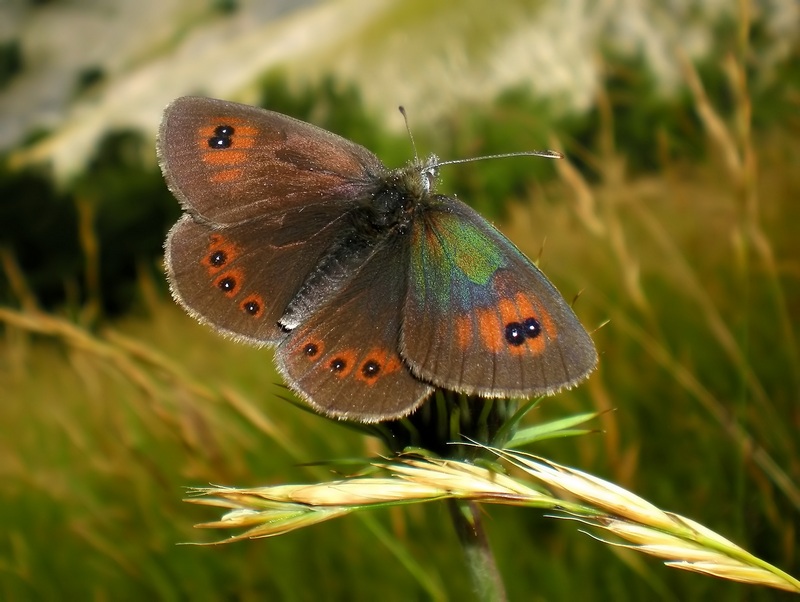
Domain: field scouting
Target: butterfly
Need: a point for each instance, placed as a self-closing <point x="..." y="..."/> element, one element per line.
<point x="373" y="288"/>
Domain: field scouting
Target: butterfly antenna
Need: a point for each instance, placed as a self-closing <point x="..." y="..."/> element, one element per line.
<point x="548" y="154"/>
<point x="402" y="110"/>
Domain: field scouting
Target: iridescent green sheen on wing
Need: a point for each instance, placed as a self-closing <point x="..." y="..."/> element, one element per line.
<point x="470" y="250"/>
<point x="453" y="259"/>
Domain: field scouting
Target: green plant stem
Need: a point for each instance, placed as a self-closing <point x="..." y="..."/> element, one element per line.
<point x="481" y="564"/>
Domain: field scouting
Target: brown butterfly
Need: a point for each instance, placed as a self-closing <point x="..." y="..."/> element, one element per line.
<point x="373" y="288"/>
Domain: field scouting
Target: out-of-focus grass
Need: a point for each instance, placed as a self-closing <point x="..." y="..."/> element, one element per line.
<point x="694" y="264"/>
<point x="102" y="434"/>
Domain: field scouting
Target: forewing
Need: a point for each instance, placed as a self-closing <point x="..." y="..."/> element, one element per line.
<point x="228" y="163"/>
<point x="480" y="318"/>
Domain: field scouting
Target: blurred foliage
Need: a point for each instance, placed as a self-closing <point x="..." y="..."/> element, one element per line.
<point x="40" y="228"/>
<point x="11" y="61"/>
<point x="122" y="195"/>
<point x="131" y="210"/>
<point x="89" y="78"/>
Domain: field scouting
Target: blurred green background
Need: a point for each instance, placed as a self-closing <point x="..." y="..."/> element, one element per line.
<point x="674" y="218"/>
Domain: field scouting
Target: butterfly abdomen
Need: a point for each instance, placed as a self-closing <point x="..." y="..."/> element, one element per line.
<point x="337" y="266"/>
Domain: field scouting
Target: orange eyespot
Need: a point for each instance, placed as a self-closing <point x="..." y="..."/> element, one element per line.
<point x="253" y="305"/>
<point x="230" y="282"/>
<point x="227" y="132"/>
<point x="313" y="349"/>
<point x="342" y="363"/>
<point x="376" y="364"/>
<point x="519" y="325"/>
<point x="221" y="252"/>
<point x="370" y="371"/>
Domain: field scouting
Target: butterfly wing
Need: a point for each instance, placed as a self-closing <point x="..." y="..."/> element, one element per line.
<point x="480" y="318"/>
<point x="264" y="194"/>
<point x="239" y="279"/>
<point x="344" y="360"/>
<point x="228" y="163"/>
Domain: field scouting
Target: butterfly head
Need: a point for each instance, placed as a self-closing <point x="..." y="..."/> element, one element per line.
<point x="429" y="173"/>
<point x="416" y="179"/>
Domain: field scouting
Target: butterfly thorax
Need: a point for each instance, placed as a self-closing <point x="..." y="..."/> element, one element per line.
<point x="385" y="214"/>
<point x="396" y="197"/>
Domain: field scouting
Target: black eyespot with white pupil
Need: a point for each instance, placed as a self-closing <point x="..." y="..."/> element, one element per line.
<point x="218" y="258"/>
<point x="370" y="369"/>
<point x="338" y="364"/>
<point x="515" y="335"/>
<point x="532" y="328"/>
<point x="252" y="307"/>
<point x="222" y="137"/>
<point x="311" y="349"/>
<point x="517" y="332"/>
<point x="227" y="284"/>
